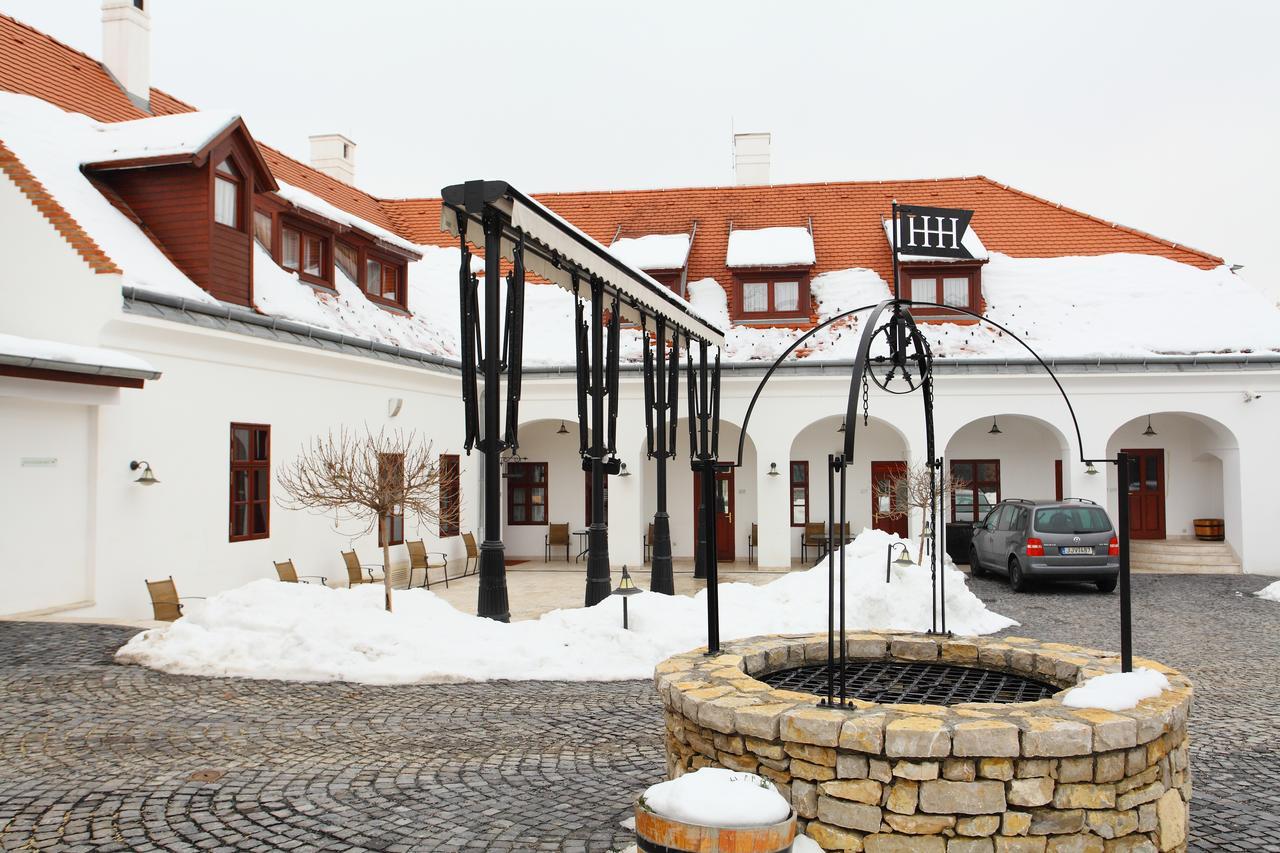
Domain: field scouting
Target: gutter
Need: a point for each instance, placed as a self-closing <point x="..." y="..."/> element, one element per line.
<point x="76" y="367"/>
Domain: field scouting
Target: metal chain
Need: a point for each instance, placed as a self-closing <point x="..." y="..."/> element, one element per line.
<point x="866" y="401"/>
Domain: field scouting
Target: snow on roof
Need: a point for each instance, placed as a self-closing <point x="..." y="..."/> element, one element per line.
<point x="309" y="201"/>
<point x="40" y="352"/>
<point x="183" y="133"/>
<point x="970" y="241"/>
<point x="653" y="251"/>
<point x="770" y="247"/>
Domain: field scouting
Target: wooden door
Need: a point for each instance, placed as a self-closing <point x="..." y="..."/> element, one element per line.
<point x="888" y="500"/>
<point x="1145" y="485"/>
<point x="725" y="548"/>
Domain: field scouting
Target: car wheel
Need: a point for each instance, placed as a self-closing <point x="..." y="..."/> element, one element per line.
<point x="1017" y="581"/>
<point x="975" y="565"/>
<point x="1107" y="585"/>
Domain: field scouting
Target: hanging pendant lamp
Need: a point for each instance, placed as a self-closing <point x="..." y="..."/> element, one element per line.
<point x="995" y="428"/>
<point x="1149" y="430"/>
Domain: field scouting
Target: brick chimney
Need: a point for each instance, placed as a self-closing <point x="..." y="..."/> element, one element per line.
<point x="335" y="155"/>
<point x="751" y="158"/>
<point x="126" y="47"/>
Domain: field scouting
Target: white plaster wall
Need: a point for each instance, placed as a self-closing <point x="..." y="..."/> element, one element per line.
<point x="876" y="442"/>
<point x="566" y="490"/>
<point x="46" y="515"/>
<point x="1026" y="449"/>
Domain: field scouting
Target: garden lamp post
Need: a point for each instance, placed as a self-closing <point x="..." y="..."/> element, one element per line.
<point x="904" y="558"/>
<point x="626" y="588"/>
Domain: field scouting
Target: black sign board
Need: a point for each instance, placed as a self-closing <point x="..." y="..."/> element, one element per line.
<point x="936" y="232"/>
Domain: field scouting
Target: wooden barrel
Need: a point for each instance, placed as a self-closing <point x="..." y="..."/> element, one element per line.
<point x="657" y="834"/>
<point x="1210" y="529"/>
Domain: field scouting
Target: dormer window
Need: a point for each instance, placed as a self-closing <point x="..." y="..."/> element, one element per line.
<point x="382" y="280"/>
<point x="307" y="254"/>
<point x="772" y="268"/>
<point x="227" y="185"/>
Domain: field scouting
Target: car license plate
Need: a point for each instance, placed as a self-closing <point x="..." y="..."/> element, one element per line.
<point x="1076" y="549"/>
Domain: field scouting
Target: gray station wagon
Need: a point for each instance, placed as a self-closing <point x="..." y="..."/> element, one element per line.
<point x="1052" y="540"/>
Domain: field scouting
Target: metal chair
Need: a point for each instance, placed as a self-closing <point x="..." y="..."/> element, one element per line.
<point x="472" y="562"/>
<point x="557" y="536"/>
<point x="288" y="574"/>
<point x="420" y="558"/>
<point x="356" y="570"/>
<point x="165" y="601"/>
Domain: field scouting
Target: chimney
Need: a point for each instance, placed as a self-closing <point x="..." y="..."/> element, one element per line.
<point x="126" y="47"/>
<point x="335" y="155"/>
<point x="751" y="158"/>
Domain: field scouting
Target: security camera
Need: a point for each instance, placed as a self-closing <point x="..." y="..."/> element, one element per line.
<point x="1249" y="396"/>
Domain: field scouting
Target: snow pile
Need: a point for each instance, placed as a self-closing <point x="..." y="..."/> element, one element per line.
<point x="712" y="796"/>
<point x="268" y="629"/>
<point x="1270" y="592"/>
<point x="653" y="251"/>
<point x="844" y="290"/>
<point x="770" y="247"/>
<point x="46" y="350"/>
<point x="183" y="133"/>
<point x="1117" y="691"/>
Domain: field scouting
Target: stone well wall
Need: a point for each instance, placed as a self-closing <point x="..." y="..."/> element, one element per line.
<point x="1031" y="777"/>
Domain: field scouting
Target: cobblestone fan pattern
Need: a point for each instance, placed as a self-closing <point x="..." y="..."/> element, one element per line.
<point x="1227" y="642"/>
<point x="98" y="756"/>
<point x="974" y="777"/>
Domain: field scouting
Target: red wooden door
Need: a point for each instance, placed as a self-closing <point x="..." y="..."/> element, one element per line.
<point x="1145" y="485"/>
<point x="888" y="500"/>
<point x="725" y="550"/>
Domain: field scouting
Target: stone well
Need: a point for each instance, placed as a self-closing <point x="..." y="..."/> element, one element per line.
<point x="1036" y="776"/>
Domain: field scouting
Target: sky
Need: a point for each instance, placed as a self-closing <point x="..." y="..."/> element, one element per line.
<point x="1164" y="116"/>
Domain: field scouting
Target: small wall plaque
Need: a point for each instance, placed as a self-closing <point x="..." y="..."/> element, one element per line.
<point x="39" y="461"/>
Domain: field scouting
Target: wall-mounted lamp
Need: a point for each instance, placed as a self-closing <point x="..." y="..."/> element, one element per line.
<point x="564" y="430"/>
<point x="147" y="477"/>
<point x="842" y="426"/>
<point x="1149" y="430"/>
<point x="773" y="469"/>
<point x="622" y="470"/>
<point x="995" y="428"/>
<point x="1249" y="396"/>
<point x="394" y="405"/>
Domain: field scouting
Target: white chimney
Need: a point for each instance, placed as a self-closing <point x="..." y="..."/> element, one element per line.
<point x="335" y="155"/>
<point x="126" y="47"/>
<point x="751" y="158"/>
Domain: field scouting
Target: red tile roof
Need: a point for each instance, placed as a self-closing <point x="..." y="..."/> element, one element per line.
<point x="845" y="216"/>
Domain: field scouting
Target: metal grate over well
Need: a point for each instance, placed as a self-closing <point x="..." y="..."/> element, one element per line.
<point x="888" y="681"/>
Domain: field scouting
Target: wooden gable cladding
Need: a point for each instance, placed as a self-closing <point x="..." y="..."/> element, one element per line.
<point x="175" y="202"/>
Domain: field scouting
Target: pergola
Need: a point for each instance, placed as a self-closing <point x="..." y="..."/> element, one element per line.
<point x="514" y="231"/>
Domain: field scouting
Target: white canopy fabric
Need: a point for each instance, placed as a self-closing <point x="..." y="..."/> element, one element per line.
<point x="548" y="235"/>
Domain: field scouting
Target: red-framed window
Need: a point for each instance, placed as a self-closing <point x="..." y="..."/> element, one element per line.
<point x="945" y="284"/>
<point x="528" y="498"/>
<point x="250" y="482"/>
<point x="977" y="489"/>
<point x="450" y="495"/>
<point x="306" y="253"/>
<point x="773" y="295"/>
<point x="391" y="470"/>
<point x="384" y="279"/>
<point x="669" y="279"/>
<point x="228" y="190"/>
<point x="799" y="479"/>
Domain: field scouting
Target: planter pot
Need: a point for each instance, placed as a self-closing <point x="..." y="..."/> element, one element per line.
<point x="657" y="834"/>
<point x="1210" y="529"/>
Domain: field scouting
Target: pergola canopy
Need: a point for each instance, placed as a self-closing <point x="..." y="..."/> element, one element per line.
<point x="556" y="250"/>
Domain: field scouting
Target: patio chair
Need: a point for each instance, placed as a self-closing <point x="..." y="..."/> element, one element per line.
<point x="814" y="536"/>
<point x="165" y="601"/>
<point x="472" y="562"/>
<point x="753" y="542"/>
<point x="288" y="574"/>
<point x="356" y="570"/>
<point x="557" y="537"/>
<point x="421" y="558"/>
<point x="847" y="537"/>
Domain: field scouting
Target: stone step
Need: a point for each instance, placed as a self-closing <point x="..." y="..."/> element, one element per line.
<point x="1184" y="559"/>
<point x="1179" y="546"/>
<point x="1185" y="568"/>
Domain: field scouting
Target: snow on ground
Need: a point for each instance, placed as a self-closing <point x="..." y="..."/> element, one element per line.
<point x="713" y="796"/>
<point x="1117" y="691"/>
<point x="39" y="348"/>
<point x="298" y="632"/>
<point x="653" y="251"/>
<point x="770" y="247"/>
<point x="1270" y="593"/>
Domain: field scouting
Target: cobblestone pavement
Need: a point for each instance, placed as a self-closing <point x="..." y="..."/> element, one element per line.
<point x="95" y="756"/>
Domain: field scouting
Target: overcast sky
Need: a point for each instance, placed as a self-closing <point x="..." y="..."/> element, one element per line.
<point x="1160" y="115"/>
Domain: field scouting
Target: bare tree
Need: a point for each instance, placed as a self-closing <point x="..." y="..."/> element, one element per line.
<point x="912" y="488"/>
<point x="371" y="479"/>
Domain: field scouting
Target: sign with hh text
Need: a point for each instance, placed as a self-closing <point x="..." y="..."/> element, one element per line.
<point x="936" y="232"/>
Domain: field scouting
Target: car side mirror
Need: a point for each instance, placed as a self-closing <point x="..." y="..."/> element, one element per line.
<point x="979" y="525"/>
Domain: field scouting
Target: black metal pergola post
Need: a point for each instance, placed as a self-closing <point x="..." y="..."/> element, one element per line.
<point x="704" y="451"/>
<point x="598" y="578"/>
<point x="492" y="601"/>
<point x="661" y="406"/>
